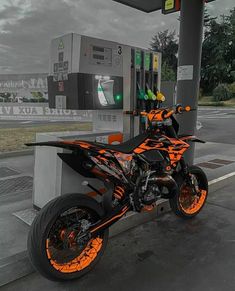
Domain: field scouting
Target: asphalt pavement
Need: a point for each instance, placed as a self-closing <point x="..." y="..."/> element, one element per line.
<point x="165" y="254"/>
<point x="217" y="125"/>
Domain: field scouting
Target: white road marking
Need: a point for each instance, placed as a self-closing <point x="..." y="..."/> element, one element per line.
<point x="217" y="117"/>
<point x="221" y="115"/>
<point x="25" y="122"/>
<point x="221" y="178"/>
<point x="215" y="108"/>
<point x="199" y="125"/>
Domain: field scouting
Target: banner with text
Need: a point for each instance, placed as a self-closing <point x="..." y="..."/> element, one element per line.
<point x="30" y="111"/>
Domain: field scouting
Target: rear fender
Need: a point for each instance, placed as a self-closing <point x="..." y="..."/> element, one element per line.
<point x="58" y="144"/>
<point x="75" y="160"/>
<point x="77" y="163"/>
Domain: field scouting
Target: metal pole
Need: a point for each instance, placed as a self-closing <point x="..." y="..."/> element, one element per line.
<point x="189" y="65"/>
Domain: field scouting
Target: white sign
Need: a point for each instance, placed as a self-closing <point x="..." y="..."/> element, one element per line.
<point x="24" y="84"/>
<point x="108" y="120"/>
<point x="185" y="73"/>
<point x="29" y="110"/>
<point x="34" y="112"/>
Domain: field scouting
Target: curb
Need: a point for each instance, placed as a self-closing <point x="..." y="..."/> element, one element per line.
<point x="14" y="267"/>
<point x="16" y="154"/>
<point x="18" y="266"/>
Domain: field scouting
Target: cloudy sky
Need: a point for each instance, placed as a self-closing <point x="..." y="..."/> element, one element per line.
<point x="27" y="26"/>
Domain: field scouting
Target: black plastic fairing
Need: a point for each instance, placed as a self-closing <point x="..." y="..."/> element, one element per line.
<point x="78" y="163"/>
<point x="153" y="156"/>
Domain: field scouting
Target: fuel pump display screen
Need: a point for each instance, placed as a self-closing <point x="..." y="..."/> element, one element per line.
<point x="101" y="55"/>
<point x="98" y="49"/>
<point x="98" y="57"/>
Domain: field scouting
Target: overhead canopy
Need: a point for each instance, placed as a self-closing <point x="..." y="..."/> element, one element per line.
<point x="145" y="5"/>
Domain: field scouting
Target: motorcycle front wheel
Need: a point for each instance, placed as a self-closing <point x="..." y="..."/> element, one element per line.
<point x="188" y="202"/>
<point x="54" y="248"/>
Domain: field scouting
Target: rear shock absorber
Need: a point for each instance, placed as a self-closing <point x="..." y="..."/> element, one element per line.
<point x="119" y="192"/>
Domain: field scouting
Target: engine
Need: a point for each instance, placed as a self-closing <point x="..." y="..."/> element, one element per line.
<point x="149" y="192"/>
<point x="151" y="187"/>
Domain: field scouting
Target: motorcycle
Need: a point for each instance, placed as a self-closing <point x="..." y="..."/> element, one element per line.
<point x="69" y="235"/>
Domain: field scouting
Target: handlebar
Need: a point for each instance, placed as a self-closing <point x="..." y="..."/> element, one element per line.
<point x="161" y="114"/>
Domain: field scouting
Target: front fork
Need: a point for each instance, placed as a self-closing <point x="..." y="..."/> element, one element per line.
<point x="184" y="168"/>
<point x="187" y="176"/>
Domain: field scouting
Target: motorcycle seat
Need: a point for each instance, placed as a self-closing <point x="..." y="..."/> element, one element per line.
<point x="125" y="147"/>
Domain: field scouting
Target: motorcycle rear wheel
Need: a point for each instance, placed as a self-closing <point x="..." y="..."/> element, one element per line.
<point x="53" y="247"/>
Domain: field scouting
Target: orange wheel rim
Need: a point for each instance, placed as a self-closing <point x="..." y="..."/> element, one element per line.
<point x="189" y="202"/>
<point x="65" y="252"/>
<point x="83" y="260"/>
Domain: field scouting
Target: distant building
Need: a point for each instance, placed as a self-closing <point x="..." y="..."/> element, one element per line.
<point x="23" y="88"/>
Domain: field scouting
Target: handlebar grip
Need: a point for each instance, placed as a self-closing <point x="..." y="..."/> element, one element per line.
<point x="188" y="108"/>
<point x="180" y="109"/>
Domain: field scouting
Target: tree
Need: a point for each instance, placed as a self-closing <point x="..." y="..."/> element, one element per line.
<point x="230" y="56"/>
<point x="37" y="95"/>
<point x="217" y="54"/>
<point x="218" y="51"/>
<point x="5" y="96"/>
<point x="207" y="19"/>
<point x="166" y="43"/>
<point x="167" y="73"/>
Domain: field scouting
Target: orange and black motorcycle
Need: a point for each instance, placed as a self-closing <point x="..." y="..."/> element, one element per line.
<point x="70" y="234"/>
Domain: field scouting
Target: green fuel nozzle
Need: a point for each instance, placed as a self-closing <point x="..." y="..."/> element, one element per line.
<point x="142" y="95"/>
<point x="151" y="95"/>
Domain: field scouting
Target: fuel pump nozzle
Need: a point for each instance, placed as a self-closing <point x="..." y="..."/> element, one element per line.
<point x="160" y="97"/>
<point x="141" y="93"/>
<point x="142" y="99"/>
<point x="151" y="95"/>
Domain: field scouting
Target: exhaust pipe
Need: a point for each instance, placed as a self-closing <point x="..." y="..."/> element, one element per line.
<point x="168" y="182"/>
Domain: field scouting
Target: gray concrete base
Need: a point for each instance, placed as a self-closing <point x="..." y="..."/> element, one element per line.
<point x="14" y="267"/>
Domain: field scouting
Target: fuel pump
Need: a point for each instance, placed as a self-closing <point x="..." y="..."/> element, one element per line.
<point x="147" y="79"/>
